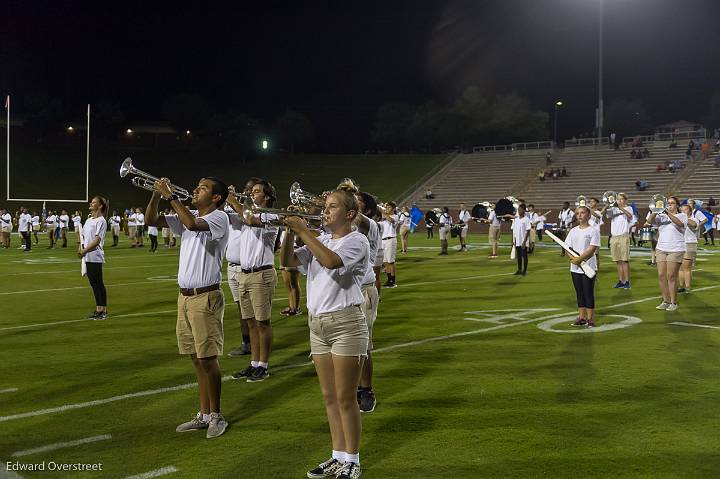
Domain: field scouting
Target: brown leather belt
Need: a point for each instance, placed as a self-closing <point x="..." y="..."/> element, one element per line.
<point x="255" y="270"/>
<point x="195" y="291"/>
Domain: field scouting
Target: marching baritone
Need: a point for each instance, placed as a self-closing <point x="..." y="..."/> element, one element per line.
<point x="670" y="251"/>
<point x="445" y="222"/>
<point x="388" y="225"/>
<point x="464" y="218"/>
<point x="621" y="216"/>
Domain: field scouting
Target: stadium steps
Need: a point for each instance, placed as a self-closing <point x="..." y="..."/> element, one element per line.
<point x="702" y="182"/>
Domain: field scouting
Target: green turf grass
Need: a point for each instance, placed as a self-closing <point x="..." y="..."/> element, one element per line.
<point x="513" y="401"/>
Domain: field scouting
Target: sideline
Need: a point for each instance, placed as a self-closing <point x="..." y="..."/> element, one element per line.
<point x="62" y="445"/>
<point x="156" y="473"/>
<point x="683" y="323"/>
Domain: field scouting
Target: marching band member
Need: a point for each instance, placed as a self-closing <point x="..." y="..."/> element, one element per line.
<point x="698" y="216"/>
<point x="653" y="241"/>
<point x="521" y="237"/>
<point x="335" y="265"/>
<point x="596" y="221"/>
<point x="140" y="227"/>
<point x="566" y="218"/>
<point x="166" y="233"/>
<point x="670" y="251"/>
<point x="5" y="227"/>
<point x="132" y="227"/>
<point x="620" y="216"/>
<point x="389" y="223"/>
<point x="445" y="222"/>
<point x="153" y="234"/>
<point x="404" y="221"/>
<point x="35" y="226"/>
<point x="77" y="225"/>
<point x="540" y="225"/>
<point x="585" y="240"/>
<point x="64" y="221"/>
<point x="532" y="216"/>
<point x="291" y="279"/>
<point x="493" y="231"/>
<point x="115" y="227"/>
<point x="25" y="228"/>
<point x="691" y="245"/>
<point x="464" y="218"/>
<point x="51" y="225"/>
<point x="94" y="254"/>
<point x="201" y="303"/>
<point x="252" y="277"/>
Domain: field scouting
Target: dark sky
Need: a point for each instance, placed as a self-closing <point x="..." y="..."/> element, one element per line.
<point x="337" y="61"/>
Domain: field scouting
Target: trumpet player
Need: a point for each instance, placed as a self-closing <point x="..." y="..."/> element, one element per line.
<point x="201" y="303"/>
<point x="388" y="224"/>
<point x="620" y="216"/>
<point x="691" y="245"/>
<point x="251" y="274"/>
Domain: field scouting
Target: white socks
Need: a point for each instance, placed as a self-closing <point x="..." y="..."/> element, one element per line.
<point x="352" y="458"/>
<point x="262" y="364"/>
<point x="338" y="455"/>
<point x="254" y="363"/>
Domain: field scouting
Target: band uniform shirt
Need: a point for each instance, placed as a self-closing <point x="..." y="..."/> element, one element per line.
<point x="691" y="233"/>
<point x="330" y="290"/>
<point x="6" y="220"/>
<point x="494" y="221"/>
<point x="24" y="222"/>
<point x="139" y="219"/>
<point x="520" y="227"/>
<point x="51" y="221"/>
<point x="201" y="252"/>
<point x="566" y="218"/>
<point x="580" y="239"/>
<point x="700" y="219"/>
<point x="445" y="220"/>
<point x="465" y="217"/>
<point x="95" y="227"/>
<point x="251" y="246"/>
<point x="540" y="222"/>
<point x="64" y="221"/>
<point x="115" y="221"/>
<point x="131" y="219"/>
<point x="374" y="242"/>
<point x="152" y="231"/>
<point x="595" y="221"/>
<point x="671" y="239"/>
<point x="404" y="219"/>
<point x="389" y="229"/>
<point x="619" y="222"/>
<point x="532" y="216"/>
<point x="716" y="220"/>
<point x="36" y="221"/>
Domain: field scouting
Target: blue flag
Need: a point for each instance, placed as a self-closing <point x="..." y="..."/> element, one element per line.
<point x="415" y="216"/>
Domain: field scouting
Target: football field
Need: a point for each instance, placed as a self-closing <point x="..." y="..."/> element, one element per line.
<point x="478" y="373"/>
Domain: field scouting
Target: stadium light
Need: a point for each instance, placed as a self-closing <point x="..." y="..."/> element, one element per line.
<point x="70" y="129"/>
<point x="129" y="131"/>
<point x="558" y="104"/>
<point x="265" y="145"/>
<point x="187" y="132"/>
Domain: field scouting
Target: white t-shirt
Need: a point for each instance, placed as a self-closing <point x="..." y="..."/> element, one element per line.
<point x="465" y="217"/>
<point x="389" y="229"/>
<point x="520" y="227"/>
<point x="380" y="255"/>
<point x="115" y="220"/>
<point x="132" y="219"/>
<point x="445" y="220"/>
<point x="36" y="220"/>
<point x="494" y="221"/>
<point x="700" y="219"/>
<point x="251" y="246"/>
<point x="374" y="242"/>
<point x="620" y="224"/>
<point x="580" y="239"/>
<point x="595" y="221"/>
<point x="51" y="221"/>
<point x="330" y="290"/>
<point x="24" y="222"/>
<point x="532" y="216"/>
<point x="95" y="227"/>
<point x="139" y="219"/>
<point x="671" y="238"/>
<point x="404" y="219"/>
<point x="5" y="220"/>
<point x="77" y="222"/>
<point x="64" y="220"/>
<point x="201" y="252"/>
<point x="152" y="231"/>
<point x="566" y="217"/>
<point x="716" y="219"/>
<point x="540" y="222"/>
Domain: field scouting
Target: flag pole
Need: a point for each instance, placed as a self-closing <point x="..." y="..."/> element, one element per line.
<point x="7" y="151"/>
<point x="87" y="157"/>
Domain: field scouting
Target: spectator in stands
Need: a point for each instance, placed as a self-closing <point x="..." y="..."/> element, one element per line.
<point x="711" y="201"/>
<point x="429" y="194"/>
<point x="673" y="144"/>
<point x="646" y="153"/>
<point x="563" y="172"/>
<point x="633" y="154"/>
<point x="716" y="164"/>
<point x="691" y="145"/>
<point x="556" y="173"/>
<point x="541" y="175"/>
<point x="548" y="158"/>
<point x="641" y="185"/>
<point x="705" y="150"/>
<point x="716" y="148"/>
<point x="612" y="139"/>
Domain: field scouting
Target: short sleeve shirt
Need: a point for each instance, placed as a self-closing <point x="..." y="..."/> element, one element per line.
<point x="580" y="240"/>
<point x="95" y="227"/>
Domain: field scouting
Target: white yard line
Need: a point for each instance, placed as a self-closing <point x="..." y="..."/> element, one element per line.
<point x="62" y="445"/>
<point x="8" y="390"/>
<point x="74" y="287"/>
<point x="682" y="323"/>
<point x="156" y="473"/>
<point x="154" y="265"/>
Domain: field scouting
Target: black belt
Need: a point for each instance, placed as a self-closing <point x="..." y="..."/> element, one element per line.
<point x="254" y="270"/>
<point x="195" y="291"/>
<point x="389" y="237"/>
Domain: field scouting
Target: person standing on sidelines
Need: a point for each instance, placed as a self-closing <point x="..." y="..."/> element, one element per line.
<point x="670" y="251"/>
<point x="493" y="231"/>
<point x="51" y="225"/>
<point x="153" y="234"/>
<point x="64" y="222"/>
<point x="404" y="220"/>
<point x="35" y="226"/>
<point x="521" y="237"/>
<point x="5" y="227"/>
<point x="201" y="304"/>
<point x="252" y="277"/>
<point x="92" y="252"/>
<point x="566" y="218"/>
<point x="585" y="240"/>
<point x="140" y="228"/>
<point x="691" y="246"/>
<point x="388" y="225"/>
<point x="25" y="228"/>
<point x="132" y="227"/>
<point x="115" y="227"/>
<point x="445" y="222"/>
<point x="77" y="226"/>
<point x="464" y="218"/>
<point x="335" y="265"/>
<point x="533" y="217"/>
<point x="620" y="216"/>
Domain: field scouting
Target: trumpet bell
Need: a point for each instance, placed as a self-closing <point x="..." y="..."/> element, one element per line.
<point x="609" y="197"/>
<point x="581" y="201"/>
<point x="126" y="167"/>
<point x="658" y="204"/>
<point x="298" y="196"/>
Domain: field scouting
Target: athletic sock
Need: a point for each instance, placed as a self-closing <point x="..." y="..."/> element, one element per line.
<point x="338" y="455"/>
<point x="254" y="363"/>
<point x="246" y="338"/>
<point x="262" y="364"/>
<point x="352" y="457"/>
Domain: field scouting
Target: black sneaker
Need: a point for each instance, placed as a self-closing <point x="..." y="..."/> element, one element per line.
<point x="259" y="374"/>
<point x="245" y="373"/>
<point x="329" y="468"/>
<point x="517" y="273"/>
<point x="579" y="322"/>
<point x="102" y="315"/>
<point x="93" y="315"/>
<point x="681" y="290"/>
<point x="350" y="470"/>
<point x="367" y="400"/>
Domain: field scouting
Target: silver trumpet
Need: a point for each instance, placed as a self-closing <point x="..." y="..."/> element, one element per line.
<point x="658" y="204"/>
<point x="300" y="197"/>
<point x="609" y="198"/>
<point x="147" y="181"/>
<point x="250" y="209"/>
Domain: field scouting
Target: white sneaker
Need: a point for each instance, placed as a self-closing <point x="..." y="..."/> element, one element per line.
<point x="217" y="425"/>
<point x="662" y="305"/>
<point x="671" y="307"/>
<point x="196" y="423"/>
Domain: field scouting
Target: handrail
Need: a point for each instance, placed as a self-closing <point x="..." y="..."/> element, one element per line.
<point x="587" y="141"/>
<point x="405" y="195"/>
<point x="669" y="136"/>
<point x="528" y="145"/>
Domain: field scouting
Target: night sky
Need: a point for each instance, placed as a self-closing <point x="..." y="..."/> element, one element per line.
<point x="338" y="61"/>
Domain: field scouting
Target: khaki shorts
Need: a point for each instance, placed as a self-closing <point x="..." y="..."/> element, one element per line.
<point x="620" y="247"/>
<point x="389" y="250"/>
<point x="664" y="256"/>
<point x="6" y="229"/>
<point x="36" y="228"/>
<point x="464" y="232"/>
<point x="343" y="333"/>
<point x="369" y="309"/>
<point x="444" y="232"/>
<point x="404" y="230"/>
<point x="131" y="231"/>
<point x="166" y="232"/>
<point x="494" y="235"/>
<point x="199" y="327"/>
<point x="254" y="292"/>
<point x="115" y="230"/>
<point x="533" y="235"/>
<point x="691" y="252"/>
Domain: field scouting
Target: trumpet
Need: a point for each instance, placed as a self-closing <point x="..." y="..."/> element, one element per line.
<point x="300" y="197"/>
<point x="147" y="181"/>
<point x="581" y="201"/>
<point x="250" y="209"/>
<point x="658" y="204"/>
<point x="609" y="198"/>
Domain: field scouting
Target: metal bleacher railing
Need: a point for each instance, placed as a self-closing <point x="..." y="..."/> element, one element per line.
<point x="668" y="136"/>
<point x="587" y="142"/>
<point x="531" y="145"/>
